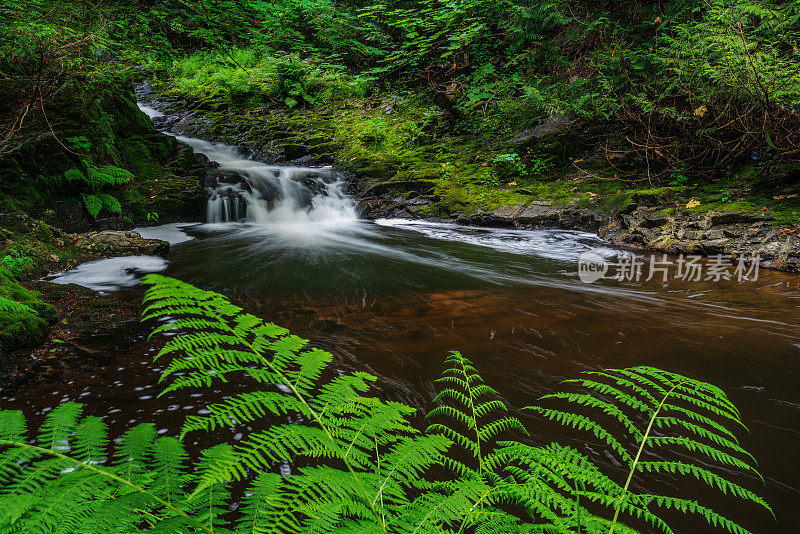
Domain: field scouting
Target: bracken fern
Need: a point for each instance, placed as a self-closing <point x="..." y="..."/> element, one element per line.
<point x="660" y="410"/>
<point x="358" y="462"/>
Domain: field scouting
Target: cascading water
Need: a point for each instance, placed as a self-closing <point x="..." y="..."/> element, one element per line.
<point x="261" y="194"/>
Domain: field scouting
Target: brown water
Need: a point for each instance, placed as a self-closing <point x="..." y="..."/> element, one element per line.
<point x="393" y="298"/>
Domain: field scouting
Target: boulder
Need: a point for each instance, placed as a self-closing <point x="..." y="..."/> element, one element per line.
<point x="120" y="243"/>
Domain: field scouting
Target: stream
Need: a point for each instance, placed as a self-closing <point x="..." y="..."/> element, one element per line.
<point x="392" y="297"/>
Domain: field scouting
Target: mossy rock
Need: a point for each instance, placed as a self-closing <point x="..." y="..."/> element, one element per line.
<point x="113" y="131"/>
<point x="419" y="186"/>
<point x="173" y="198"/>
<point x="656" y="195"/>
<point x="324" y="148"/>
<point x="23" y="328"/>
<point x="316" y="140"/>
<point x="292" y="150"/>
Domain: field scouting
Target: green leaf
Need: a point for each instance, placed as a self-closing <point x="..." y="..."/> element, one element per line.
<point x="93" y="205"/>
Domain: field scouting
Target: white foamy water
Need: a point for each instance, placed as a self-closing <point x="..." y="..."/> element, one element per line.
<point x="565" y="245"/>
<point x="172" y="233"/>
<point x="297" y="200"/>
<point x="151" y="112"/>
<point x="111" y="274"/>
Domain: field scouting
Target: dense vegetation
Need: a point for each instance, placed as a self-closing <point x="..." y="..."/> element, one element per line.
<point x="360" y="463"/>
<point x="693" y="88"/>
<point x="484" y="103"/>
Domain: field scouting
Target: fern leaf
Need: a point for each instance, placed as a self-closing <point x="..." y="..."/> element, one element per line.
<point x="93" y="205"/>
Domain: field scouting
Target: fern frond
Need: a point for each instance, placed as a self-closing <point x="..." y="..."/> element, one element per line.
<point x="688" y="414"/>
<point x="12" y="306"/>
<point x="475" y="411"/>
<point x="351" y="462"/>
<point x="46" y="490"/>
<point x="581" y="422"/>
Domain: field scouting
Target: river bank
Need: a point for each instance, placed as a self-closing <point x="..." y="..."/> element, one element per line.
<point x="654" y="218"/>
<point x="391" y="296"/>
<point x="76" y="177"/>
<point x="678" y="219"/>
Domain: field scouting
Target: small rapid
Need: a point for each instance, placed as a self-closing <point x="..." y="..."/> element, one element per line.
<point x="244" y="190"/>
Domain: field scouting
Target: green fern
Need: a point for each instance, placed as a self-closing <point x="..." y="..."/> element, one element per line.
<point x="95" y="179"/>
<point x="12" y="306"/>
<point x="98" y="177"/>
<point x="358" y="463"/>
<point x="66" y="481"/>
<point x="474" y="406"/>
<point x="661" y="410"/>
<point x="99" y="202"/>
<point x="93" y="205"/>
<point x="369" y="446"/>
<point x="107" y="175"/>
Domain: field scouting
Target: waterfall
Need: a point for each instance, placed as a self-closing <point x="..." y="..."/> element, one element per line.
<point x="243" y="190"/>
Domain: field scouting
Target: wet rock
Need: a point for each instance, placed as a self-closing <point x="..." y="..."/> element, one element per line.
<point x="727" y="233"/>
<point x="266" y="190"/>
<point x="292" y="151"/>
<point x="316" y="187"/>
<point x="715" y="217"/>
<point x="382" y="188"/>
<point x="554" y="124"/>
<point x="263" y="154"/>
<point x="715" y="246"/>
<point x="714" y="234"/>
<point x="120" y="243"/>
<point x="536" y="215"/>
<point x="203" y="160"/>
<point x="653" y="220"/>
<point x="304" y="160"/>
<point x="229" y="177"/>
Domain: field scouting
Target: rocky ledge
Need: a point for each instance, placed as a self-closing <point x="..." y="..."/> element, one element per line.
<point x="119" y="243"/>
<point x="664" y="227"/>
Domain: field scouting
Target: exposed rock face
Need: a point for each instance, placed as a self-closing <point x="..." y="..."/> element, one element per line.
<point x="712" y="233"/>
<point x="654" y="227"/>
<point x="112" y="242"/>
<point x="535" y="215"/>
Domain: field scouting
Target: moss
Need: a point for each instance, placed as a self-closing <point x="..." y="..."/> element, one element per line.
<point x="104" y="126"/>
<point x="667" y="212"/>
<point x="653" y="196"/>
<point x="19" y="329"/>
<point x="706" y="206"/>
<point x="173" y="198"/>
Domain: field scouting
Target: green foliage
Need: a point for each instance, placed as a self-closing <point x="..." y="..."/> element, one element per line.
<point x="704" y="84"/>
<point x="509" y="166"/>
<point x="94" y="489"/>
<point x="359" y="464"/>
<point x="79" y="142"/>
<point x="107" y="175"/>
<point x="102" y="201"/>
<point x="94" y="179"/>
<point x="14" y="264"/>
<point x="682" y="414"/>
<point x="23" y="315"/>
<point x="248" y="77"/>
<point x="12" y="306"/>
